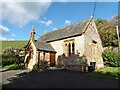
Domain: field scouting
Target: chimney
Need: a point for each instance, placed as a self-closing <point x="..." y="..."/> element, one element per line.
<point x="32" y="33"/>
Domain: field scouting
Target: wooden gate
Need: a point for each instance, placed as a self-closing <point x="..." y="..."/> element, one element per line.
<point x="52" y="59"/>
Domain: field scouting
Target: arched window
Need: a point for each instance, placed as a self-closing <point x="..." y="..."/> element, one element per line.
<point x="30" y="52"/>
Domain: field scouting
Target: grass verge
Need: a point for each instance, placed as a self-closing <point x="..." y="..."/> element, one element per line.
<point x="14" y="67"/>
<point x="107" y="72"/>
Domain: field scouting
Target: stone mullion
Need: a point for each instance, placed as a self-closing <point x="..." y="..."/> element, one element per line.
<point x="71" y="47"/>
<point x="66" y="48"/>
<point x="44" y="56"/>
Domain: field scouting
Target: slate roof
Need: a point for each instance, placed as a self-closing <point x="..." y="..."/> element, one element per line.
<point x="44" y="46"/>
<point x="71" y="30"/>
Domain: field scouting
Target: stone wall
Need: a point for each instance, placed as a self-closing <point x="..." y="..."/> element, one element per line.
<point x="33" y="59"/>
<point x="59" y="46"/>
<point x="93" y="46"/>
<point x="46" y="57"/>
<point x="79" y="45"/>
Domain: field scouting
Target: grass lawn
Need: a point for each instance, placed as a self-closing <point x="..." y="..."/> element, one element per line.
<point x="14" y="67"/>
<point x="107" y="72"/>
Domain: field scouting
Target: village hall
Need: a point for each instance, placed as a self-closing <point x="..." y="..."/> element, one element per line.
<point x="75" y="44"/>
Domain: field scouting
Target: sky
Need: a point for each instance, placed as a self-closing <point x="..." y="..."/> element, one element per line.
<point x="17" y="18"/>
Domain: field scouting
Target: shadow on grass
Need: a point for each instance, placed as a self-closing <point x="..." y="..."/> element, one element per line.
<point x="108" y="75"/>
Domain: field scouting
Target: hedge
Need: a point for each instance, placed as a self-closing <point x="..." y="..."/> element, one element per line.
<point x="111" y="58"/>
<point x="11" y="59"/>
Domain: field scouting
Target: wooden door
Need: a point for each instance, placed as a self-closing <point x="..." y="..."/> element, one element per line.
<point x="52" y="59"/>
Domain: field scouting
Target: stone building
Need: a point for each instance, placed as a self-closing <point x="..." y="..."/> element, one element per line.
<point x="75" y="44"/>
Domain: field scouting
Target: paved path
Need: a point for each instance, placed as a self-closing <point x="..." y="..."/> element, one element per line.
<point x="58" y="79"/>
<point x="11" y="73"/>
<point x="5" y="75"/>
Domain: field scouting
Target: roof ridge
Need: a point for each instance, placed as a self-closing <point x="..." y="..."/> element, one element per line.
<point x="65" y="32"/>
<point x="65" y="27"/>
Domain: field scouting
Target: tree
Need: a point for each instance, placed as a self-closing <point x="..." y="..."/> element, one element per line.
<point x="107" y="32"/>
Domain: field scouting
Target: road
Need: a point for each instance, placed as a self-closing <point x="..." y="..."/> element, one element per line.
<point x="57" y="79"/>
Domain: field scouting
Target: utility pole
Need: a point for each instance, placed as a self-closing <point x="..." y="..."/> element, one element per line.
<point x="118" y="41"/>
<point x="118" y="38"/>
<point x="94" y="8"/>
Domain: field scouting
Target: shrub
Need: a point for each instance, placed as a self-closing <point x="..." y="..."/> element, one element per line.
<point x="10" y="57"/>
<point x="111" y="58"/>
<point x="44" y="64"/>
<point x="115" y="43"/>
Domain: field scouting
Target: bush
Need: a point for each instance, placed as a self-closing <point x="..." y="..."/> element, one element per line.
<point x="115" y="43"/>
<point x="44" y="64"/>
<point x="10" y="57"/>
<point x="111" y="58"/>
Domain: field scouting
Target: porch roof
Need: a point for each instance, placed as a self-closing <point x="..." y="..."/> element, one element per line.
<point x="44" y="46"/>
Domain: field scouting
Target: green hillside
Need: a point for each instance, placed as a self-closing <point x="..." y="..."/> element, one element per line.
<point x="13" y="44"/>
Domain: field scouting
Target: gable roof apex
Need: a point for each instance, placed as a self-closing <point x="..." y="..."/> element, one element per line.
<point x="91" y="17"/>
<point x="87" y="24"/>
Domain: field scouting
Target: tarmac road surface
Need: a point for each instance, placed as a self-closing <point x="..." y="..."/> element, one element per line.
<point x="55" y="79"/>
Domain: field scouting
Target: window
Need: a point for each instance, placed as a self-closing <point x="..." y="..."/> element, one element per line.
<point x="94" y="41"/>
<point x="94" y="47"/>
<point x="69" y="48"/>
<point x="73" y="48"/>
<point x="31" y="53"/>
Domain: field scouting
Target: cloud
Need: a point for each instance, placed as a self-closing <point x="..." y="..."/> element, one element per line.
<point x="55" y="29"/>
<point x="5" y="39"/>
<point x="85" y="0"/>
<point x="47" y="23"/>
<point x="62" y="0"/>
<point x="13" y="35"/>
<point x="67" y="22"/>
<point x="21" y="13"/>
<point x="3" y="29"/>
<point x="27" y="0"/>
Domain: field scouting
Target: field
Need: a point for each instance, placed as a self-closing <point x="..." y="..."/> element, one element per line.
<point x="13" y="44"/>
